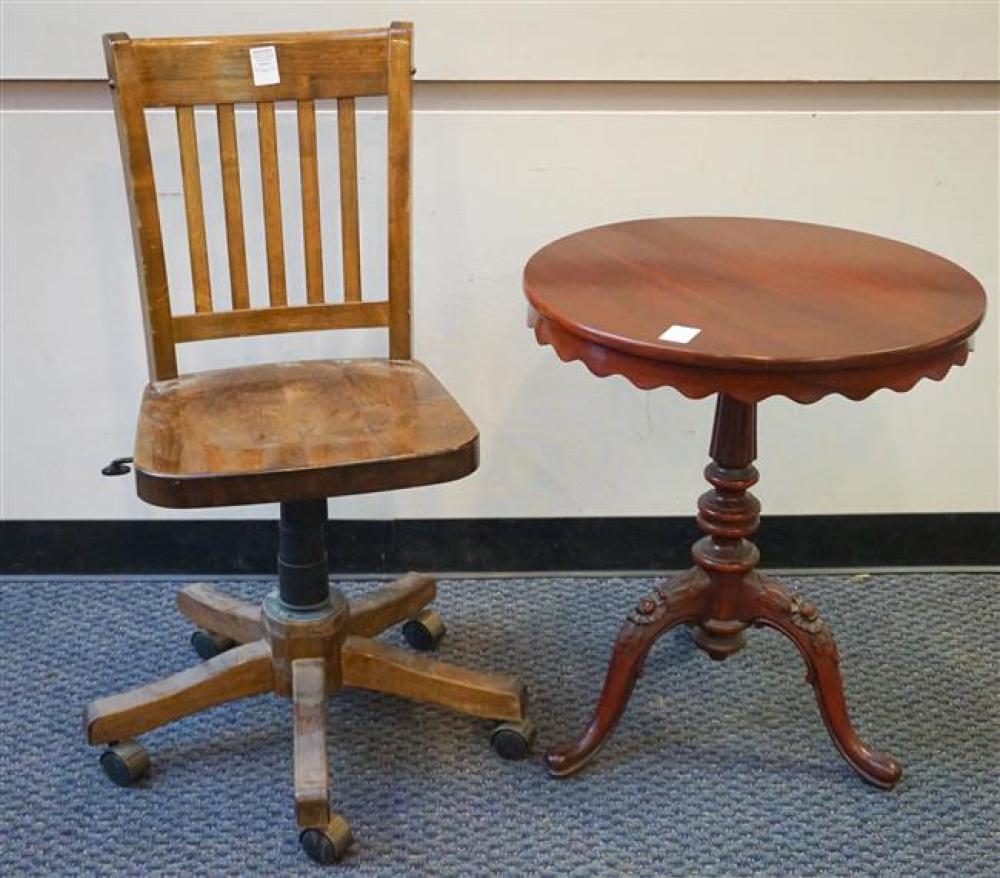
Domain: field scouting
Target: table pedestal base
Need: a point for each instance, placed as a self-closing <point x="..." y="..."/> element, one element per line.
<point x="719" y="598"/>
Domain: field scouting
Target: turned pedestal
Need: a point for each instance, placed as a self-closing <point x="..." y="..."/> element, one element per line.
<point x="719" y="598"/>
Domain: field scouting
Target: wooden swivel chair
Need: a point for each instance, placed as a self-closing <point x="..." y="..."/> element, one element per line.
<point x="293" y="433"/>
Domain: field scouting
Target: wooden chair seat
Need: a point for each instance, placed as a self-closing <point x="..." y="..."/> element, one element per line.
<point x="268" y="432"/>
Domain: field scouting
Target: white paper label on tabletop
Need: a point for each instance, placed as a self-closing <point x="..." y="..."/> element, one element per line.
<point x="680" y="334"/>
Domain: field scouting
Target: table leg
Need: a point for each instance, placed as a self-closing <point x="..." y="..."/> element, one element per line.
<point x="667" y="606"/>
<point x="773" y="606"/>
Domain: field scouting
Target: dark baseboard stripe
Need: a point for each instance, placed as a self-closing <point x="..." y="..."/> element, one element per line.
<point x="492" y="545"/>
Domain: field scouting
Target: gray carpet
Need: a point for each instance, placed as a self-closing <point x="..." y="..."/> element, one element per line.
<point x="717" y="769"/>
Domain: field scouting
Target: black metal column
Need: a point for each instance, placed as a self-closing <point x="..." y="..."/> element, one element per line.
<point x="303" y="574"/>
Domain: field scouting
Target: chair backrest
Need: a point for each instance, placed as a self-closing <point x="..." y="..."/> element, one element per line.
<point x="217" y="71"/>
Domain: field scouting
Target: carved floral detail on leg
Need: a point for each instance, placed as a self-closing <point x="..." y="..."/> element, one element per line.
<point x="805" y="614"/>
<point x="801" y="612"/>
<point x="665" y="598"/>
<point x="644" y="610"/>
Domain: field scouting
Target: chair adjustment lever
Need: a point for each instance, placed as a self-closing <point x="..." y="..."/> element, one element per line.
<point x="118" y="467"/>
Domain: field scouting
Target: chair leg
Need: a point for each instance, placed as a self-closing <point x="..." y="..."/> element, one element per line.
<point x="375" y="612"/>
<point x="326" y="836"/>
<point x="212" y="610"/>
<point x="238" y="673"/>
<point x="312" y="787"/>
<point x="371" y="664"/>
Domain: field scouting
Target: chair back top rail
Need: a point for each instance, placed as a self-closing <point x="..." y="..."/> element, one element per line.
<point x="311" y="65"/>
<point x="217" y="71"/>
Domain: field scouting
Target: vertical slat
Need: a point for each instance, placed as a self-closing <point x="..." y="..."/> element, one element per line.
<point x="350" y="237"/>
<point x="400" y="48"/>
<point x="271" y="189"/>
<point x="194" y="211"/>
<point x="140" y="186"/>
<point x="230" y="159"/>
<point x="309" y="176"/>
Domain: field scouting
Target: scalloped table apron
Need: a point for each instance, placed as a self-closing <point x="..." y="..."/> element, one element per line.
<point x="746" y="309"/>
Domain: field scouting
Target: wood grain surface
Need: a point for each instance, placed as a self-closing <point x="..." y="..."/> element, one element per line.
<point x="238" y="673"/>
<point x="321" y="428"/>
<point x="372" y="664"/>
<point x="311" y="766"/>
<point x="767" y="295"/>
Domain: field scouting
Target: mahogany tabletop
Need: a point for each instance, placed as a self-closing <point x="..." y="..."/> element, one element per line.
<point x="765" y="296"/>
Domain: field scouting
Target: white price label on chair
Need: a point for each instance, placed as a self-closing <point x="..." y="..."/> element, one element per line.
<point x="264" y="63"/>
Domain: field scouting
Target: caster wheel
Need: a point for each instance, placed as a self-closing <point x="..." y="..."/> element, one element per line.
<point x="208" y="644"/>
<point x="327" y="844"/>
<point x="513" y="740"/>
<point x="424" y="632"/>
<point x="125" y="762"/>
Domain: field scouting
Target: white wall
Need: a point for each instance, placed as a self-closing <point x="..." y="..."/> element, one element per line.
<point x="901" y="137"/>
<point x="565" y="40"/>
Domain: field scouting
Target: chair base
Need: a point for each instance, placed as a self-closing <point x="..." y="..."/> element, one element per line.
<point x="307" y="656"/>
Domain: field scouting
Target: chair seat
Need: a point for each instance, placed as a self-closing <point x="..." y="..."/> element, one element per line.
<point x="289" y="431"/>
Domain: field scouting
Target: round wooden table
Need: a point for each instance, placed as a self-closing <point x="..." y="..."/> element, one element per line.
<point x="745" y="309"/>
